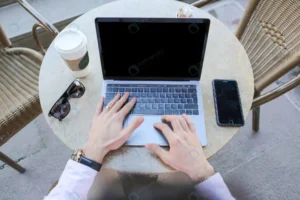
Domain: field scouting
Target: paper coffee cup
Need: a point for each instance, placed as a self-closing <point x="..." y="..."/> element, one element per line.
<point x="72" y="46"/>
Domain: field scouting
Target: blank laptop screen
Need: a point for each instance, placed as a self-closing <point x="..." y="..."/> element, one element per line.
<point x="146" y="49"/>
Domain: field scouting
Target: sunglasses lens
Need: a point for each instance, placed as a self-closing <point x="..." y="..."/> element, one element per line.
<point x="76" y="90"/>
<point x="61" y="110"/>
<point x="62" y="107"/>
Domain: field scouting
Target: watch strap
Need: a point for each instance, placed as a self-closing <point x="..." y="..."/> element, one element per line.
<point x="79" y="157"/>
<point x="90" y="163"/>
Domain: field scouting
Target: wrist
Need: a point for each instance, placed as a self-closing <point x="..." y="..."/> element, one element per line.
<point x="202" y="173"/>
<point x="95" y="154"/>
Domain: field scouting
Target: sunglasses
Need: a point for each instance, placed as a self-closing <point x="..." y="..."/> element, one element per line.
<point x="62" y="106"/>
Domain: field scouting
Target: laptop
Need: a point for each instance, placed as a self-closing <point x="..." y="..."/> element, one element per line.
<point x="159" y="61"/>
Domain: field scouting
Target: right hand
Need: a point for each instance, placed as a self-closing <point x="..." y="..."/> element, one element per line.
<point x="107" y="132"/>
<point x="186" y="153"/>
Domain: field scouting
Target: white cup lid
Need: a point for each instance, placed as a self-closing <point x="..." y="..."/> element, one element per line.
<point x="70" y="43"/>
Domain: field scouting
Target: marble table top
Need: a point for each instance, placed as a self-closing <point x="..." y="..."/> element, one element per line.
<point x="225" y="58"/>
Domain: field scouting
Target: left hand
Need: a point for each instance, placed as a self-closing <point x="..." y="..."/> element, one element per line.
<point x="107" y="132"/>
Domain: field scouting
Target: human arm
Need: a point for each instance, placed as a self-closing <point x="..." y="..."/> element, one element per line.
<point x="106" y="134"/>
<point x="186" y="155"/>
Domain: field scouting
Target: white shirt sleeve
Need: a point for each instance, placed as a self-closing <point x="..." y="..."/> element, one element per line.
<point x="77" y="179"/>
<point x="74" y="183"/>
<point x="214" y="188"/>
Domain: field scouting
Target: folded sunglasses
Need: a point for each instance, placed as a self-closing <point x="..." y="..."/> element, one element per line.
<point x="62" y="106"/>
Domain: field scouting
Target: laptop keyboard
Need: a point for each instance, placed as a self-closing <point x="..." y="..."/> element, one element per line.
<point x="158" y="99"/>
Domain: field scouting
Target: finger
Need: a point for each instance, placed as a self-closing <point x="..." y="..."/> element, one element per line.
<point x="190" y="123"/>
<point x="127" y="108"/>
<point x="127" y="132"/>
<point x="166" y="130"/>
<point x="163" y="154"/>
<point x="112" y="103"/>
<point x="174" y="121"/>
<point x="120" y="103"/>
<point x="183" y="124"/>
<point x="99" y="106"/>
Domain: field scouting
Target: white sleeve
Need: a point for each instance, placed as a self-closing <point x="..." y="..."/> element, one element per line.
<point x="214" y="188"/>
<point x="74" y="183"/>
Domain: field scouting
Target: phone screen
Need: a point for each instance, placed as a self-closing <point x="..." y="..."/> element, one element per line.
<point x="228" y="106"/>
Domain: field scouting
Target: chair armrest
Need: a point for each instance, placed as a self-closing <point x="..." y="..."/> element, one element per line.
<point x="35" y="37"/>
<point x="42" y="23"/>
<point x="4" y="41"/>
<point x="201" y="3"/>
<point x="280" y="90"/>
<point x="36" y="56"/>
<point x="46" y="24"/>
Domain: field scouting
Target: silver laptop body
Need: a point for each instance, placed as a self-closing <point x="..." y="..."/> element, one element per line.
<point x="138" y="56"/>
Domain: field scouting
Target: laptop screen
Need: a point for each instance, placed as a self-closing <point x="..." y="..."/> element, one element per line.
<point x="152" y="49"/>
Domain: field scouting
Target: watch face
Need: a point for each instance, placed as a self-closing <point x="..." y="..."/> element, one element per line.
<point x="77" y="155"/>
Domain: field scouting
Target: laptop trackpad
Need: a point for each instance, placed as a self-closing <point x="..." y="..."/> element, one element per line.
<point x="146" y="133"/>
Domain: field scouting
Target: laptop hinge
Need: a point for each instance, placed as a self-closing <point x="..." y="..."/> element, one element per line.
<point x="152" y="80"/>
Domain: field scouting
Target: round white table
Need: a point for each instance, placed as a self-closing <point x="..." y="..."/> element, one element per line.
<point x="225" y="58"/>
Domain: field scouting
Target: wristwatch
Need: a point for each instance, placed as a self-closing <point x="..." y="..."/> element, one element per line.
<point x="78" y="156"/>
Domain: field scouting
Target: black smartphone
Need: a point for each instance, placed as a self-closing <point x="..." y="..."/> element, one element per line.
<point x="228" y="105"/>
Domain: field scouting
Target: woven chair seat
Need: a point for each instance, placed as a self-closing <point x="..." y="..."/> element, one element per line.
<point x="19" y="100"/>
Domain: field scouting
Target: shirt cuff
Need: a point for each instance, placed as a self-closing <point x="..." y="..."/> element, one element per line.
<point x="77" y="178"/>
<point x="214" y="188"/>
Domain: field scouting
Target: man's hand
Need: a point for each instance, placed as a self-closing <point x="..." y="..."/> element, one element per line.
<point x="186" y="153"/>
<point x="107" y="132"/>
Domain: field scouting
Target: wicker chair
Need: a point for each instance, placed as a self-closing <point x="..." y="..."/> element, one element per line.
<point x="19" y="75"/>
<point x="270" y="34"/>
